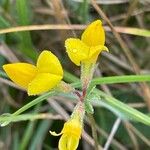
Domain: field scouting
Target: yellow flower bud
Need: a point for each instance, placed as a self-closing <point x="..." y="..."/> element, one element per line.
<point x="36" y="79"/>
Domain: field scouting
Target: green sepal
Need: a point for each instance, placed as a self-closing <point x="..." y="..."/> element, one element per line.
<point x="88" y="107"/>
<point x="90" y="91"/>
<point x="87" y="103"/>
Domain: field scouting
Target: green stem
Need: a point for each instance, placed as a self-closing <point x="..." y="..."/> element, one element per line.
<point x="34" y="102"/>
<point x="25" y="107"/>
<point x="29" y="130"/>
<point x="30" y="117"/>
<point x="87" y="70"/>
<point x="93" y="126"/>
<point x="117" y="79"/>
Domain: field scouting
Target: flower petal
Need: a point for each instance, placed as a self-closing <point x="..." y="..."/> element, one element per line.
<point x="43" y="82"/>
<point x="63" y="142"/>
<point x="94" y="53"/>
<point x="72" y="142"/>
<point x="20" y="73"/>
<point x="48" y="63"/>
<point x="94" y="34"/>
<point x="73" y="126"/>
<point x="77" y="50"/>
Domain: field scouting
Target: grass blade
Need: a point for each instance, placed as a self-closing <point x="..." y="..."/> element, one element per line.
<point x="26" y="42"/>
<point x="133" y="31"/>
<point x="117" y="79"/>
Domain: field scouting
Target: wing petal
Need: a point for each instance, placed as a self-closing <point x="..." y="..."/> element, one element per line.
<point x="20" y="73"/>
<point x="43" y="82"/>
<point x="77" y="50"/>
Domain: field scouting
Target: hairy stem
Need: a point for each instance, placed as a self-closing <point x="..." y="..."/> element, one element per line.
<point x="94" y="133"/>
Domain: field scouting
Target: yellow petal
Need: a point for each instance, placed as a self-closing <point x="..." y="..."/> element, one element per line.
<point x="72" y="142"/>
<point x="63" y="142"/>
<point x="94" y="34"/>
<point x="73" y="126"/>
<point x="77" y="50"/>
<point x="94" y="53"/>
<point x="48" y="63"/>
<point x="20" y="73"/>
<point x="97" y="50"/>
<point x="43" y="82"/>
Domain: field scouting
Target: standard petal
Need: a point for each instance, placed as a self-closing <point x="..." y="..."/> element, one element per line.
<point x="77" y="50"/>
<point x="43" y="82"/>
<point x="94" y="34"/>
<point x="48" y="63"/>
<point x="20" y="73"/>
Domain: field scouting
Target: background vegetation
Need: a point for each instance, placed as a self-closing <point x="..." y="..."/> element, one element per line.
<point x="47" y="24"/>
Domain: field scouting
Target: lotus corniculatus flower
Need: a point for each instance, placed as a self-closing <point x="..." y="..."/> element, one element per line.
<point x="37" y="79"/>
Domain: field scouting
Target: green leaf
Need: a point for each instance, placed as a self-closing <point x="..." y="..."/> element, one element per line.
<point x="29" y="131"/>
<point x="133" y="31"/>
<point x="26" y="45"/>
<point x="83" y="11"/>
<point x="40" y="134"/>
<point x="119" y="108"/>
<point x="116" y="79"/>
<point x="5" y="24"/>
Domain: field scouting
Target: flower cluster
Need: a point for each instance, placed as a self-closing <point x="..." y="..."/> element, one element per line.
<point x="47" y="75"/>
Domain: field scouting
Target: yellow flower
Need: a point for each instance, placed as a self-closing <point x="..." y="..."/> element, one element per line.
<point x="89" y="47"/>
<point x="36" y="79"/>
<point x="71" y="133"/>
